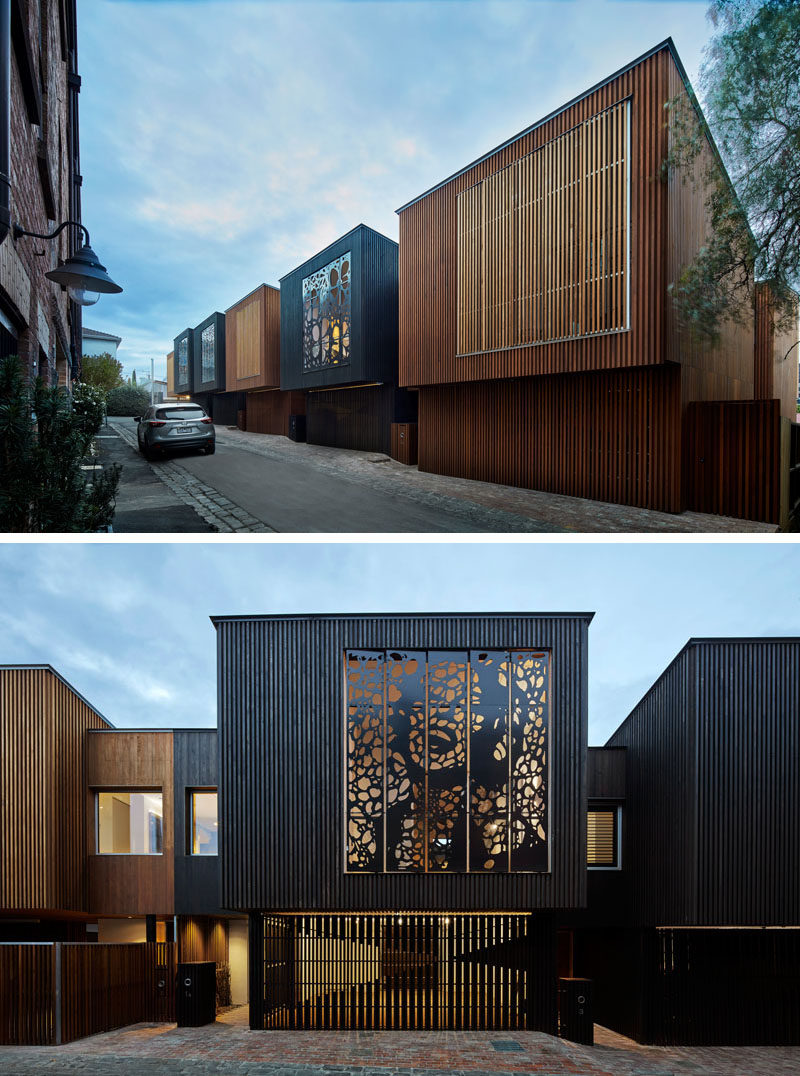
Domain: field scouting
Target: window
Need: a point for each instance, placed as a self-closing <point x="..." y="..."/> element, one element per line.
<point x="447" y="764"/>
<point x="208" y="350"/>
<point x="603" y="838"/>
<point x="172" y="414"/>
<point x="130" y="823"/>
<point x="203" y="823"/>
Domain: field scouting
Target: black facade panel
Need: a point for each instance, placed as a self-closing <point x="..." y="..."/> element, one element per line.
<point x="195" y="766"/>
<point x="209" y="355"/>
<point x="373" y="313"/>
<point x="713" y="802"/>
<point x="183" y="348"/>
<point x="359" y="418"/>
<point x="281" y="712"/>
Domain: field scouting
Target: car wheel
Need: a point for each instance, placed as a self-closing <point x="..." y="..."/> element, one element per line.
<point x="210" y="449"/>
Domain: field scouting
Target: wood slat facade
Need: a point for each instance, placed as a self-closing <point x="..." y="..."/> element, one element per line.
<point x="282" y="779"/>
<point x="552" y="255"/>
<point x="43" y="845"/>
<point x="195" y="767"/>
<point x="131" y="884"/>
<point x="252" y="341"/>
<point x="268" y="410"/>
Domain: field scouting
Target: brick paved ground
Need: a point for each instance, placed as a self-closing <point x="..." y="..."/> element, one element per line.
<point x="229" y="1048"/>
<point x="488" y="506"/>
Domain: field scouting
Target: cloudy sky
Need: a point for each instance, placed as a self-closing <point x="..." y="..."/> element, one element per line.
<point x="223" y="142"/>
<point x="128" y="624"/>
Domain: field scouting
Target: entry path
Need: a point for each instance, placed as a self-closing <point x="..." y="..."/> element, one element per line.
<point x="229" y="1048"/>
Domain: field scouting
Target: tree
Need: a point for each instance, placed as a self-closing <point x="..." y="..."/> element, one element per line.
<point x="43" y="442"/>
<point x="750" y="86"/>
<point x="127" y="400"/>
<point x="102" y="371"/>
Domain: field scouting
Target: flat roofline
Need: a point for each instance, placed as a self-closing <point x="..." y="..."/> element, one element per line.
<point x="333" y="243"/>
<point x="174" y="728"/>
<point x="64" y="681"/>
<point x="588" y="617"/>
<point x="666" y="44"/>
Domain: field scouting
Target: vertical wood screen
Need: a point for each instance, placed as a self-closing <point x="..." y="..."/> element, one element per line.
<point x="409" y="970"/>
<point x="543" y="245"/>
<point x="601" y="837"/>
<point x="249" y="330"/>
<point x="447" y="767"/>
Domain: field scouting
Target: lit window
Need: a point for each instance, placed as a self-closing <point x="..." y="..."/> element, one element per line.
<point x="203" y="828"/>
<point x="602" y="838"/>
<point x="130" y="823"/>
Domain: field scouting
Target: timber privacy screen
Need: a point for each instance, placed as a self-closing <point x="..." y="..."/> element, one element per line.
<point x="544" y="244"/>
<point x="401" y="971"/>
<point x="446" y="761"/>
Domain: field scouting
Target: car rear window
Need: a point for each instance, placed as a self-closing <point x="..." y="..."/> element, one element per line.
<point x="180" y="412"/>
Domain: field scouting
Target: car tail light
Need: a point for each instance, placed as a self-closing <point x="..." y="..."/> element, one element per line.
<point x="155" y="422"/>
<point x="208" y="420"/>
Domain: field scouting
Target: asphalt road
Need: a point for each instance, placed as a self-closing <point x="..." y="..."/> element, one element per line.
<point x="284" y="495"/>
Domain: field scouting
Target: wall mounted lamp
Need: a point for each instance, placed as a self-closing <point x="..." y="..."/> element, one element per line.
<point x="82" y="274"/>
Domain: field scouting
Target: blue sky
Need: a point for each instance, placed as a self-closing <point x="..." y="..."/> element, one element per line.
<point x="224" y="142"/>
<point x="128" y="624"/>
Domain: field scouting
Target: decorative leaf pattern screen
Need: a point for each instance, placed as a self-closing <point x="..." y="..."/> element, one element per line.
<point x="208" y="341"/>
<point x="446" y="761"/>
<point x="183" y="361"/>
<point x="326" y="315"/>
<point x="543" y="245"/>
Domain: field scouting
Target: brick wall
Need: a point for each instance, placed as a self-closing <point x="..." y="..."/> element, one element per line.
<point x="39" y="309"/>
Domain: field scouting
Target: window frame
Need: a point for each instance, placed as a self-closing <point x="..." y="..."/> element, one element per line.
<point x="189" y="821"/>
<point x="110" y="790"/>
<point x="616" y="807"/>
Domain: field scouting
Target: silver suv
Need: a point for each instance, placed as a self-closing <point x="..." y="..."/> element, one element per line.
<point x="171" y="426"/>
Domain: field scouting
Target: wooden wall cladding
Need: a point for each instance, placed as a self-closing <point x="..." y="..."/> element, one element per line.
<point x="609" y="436"/>
<point x="252" y="341"/>
<point x="196" y="877"/>
<point x="543" y="243"/>
<point x="776" y="356"/>
<point x="203" y="938"/>
<point x="429" y="251"/>
<point x="268" y="412"/>
<point x="282" y="780"/>
<point x="405" y="442"/>
<point x="732" y="459"/>
<point x="713" y="801"/>
<point x="131" y="884"/>
<point x="171" y="374"/>
<point x="43" y="723"/>
<point x="719" y="371"/>
<point x="605" y="773"/>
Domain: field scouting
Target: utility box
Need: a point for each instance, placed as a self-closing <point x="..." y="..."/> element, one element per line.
<point x="575" y="1020"/>
<point x="196" y="1000"/>
<point x="297" y="427"/>
<point x="404" y="442"/>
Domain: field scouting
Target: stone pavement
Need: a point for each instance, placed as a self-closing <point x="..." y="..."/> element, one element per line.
<point x="481" y="506"/>
<point x="229" y="1048"/>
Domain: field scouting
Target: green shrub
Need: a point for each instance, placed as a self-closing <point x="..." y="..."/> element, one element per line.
<point x="89" y="405"/>
<point x="127" y="400"/>
<point x="43" y="442"/>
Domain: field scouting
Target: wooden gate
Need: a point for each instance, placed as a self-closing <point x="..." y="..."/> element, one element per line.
<point x="405" y="971"/>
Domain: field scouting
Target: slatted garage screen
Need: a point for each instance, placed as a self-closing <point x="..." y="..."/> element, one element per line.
<point x="543" y="244"/>
<point x="404" y="970"/>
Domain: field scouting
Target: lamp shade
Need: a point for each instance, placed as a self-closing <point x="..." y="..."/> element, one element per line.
<point x="83" y="272"/>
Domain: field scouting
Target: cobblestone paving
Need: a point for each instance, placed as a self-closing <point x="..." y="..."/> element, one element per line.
<point x="547" y="510"/>
<point x="229" y="1048"/>
<point x="222" y="514"/>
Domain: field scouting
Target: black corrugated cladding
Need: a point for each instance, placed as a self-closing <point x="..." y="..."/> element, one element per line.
<point x="195" y="766"/>
<point x="281" y="720"/>
<point x="373" y="314"/>
<point x="713" y="796"/>
<point x="184" y="376"/>
<point x="215" y="322"/>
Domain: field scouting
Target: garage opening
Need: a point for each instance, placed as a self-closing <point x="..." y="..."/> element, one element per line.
<point x="396" y="971"/>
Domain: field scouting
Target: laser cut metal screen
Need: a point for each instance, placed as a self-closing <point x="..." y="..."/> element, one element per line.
<point x="447" y="761"/>
<point x="208" y="349"/>
<point x="399" y="971"/>
<point x="183" y="361"/>
<point x="326" y="315"/>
